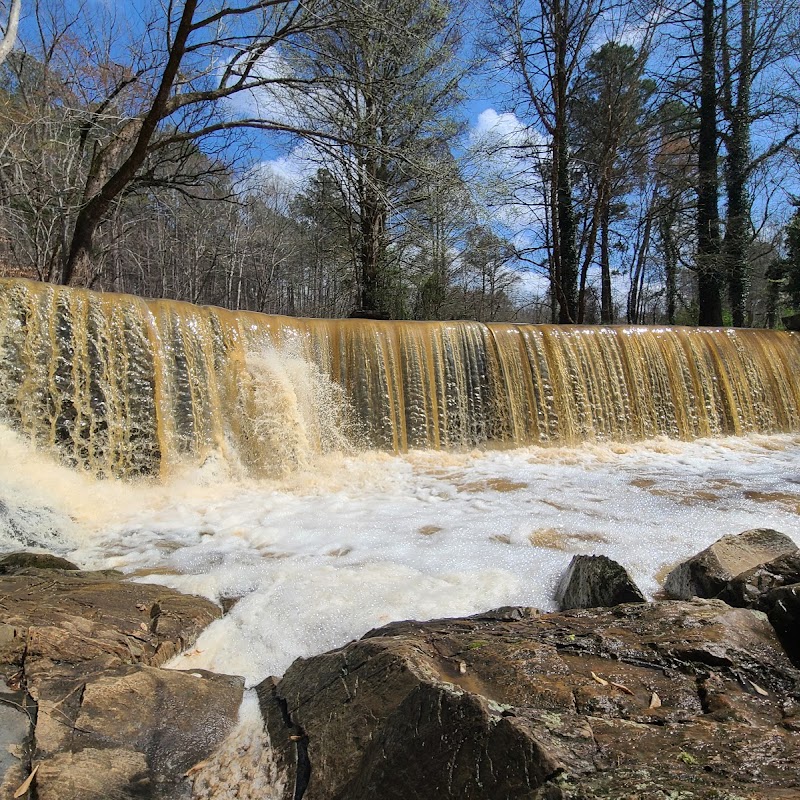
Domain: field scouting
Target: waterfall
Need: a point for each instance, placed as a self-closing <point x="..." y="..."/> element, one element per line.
<point x="124" y="386"/>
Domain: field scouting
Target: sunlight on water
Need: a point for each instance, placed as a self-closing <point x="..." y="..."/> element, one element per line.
<point x="323" y="554"/>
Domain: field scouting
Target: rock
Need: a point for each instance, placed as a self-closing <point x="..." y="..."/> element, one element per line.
<point x="65" y="619"/>
<point x="642" y="701"/>
<point x="784" y="615"/>
<point x="367" y="313"/>
<point x="754" y="588"/>
<point x="593" y="581"/>
<point x="707" y="573"/>
<point x="14" y="562"/>
<point x="227" y="603"/>
<point x="85" y="647"/>
<point x="16" y="729"/>
<point x="158" y="723"/>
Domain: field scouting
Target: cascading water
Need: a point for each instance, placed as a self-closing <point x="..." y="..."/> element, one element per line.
<point x="124" y="386"/>
<point x="336" y="475"/>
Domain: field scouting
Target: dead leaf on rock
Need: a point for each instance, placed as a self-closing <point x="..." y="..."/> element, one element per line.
<point x="26" y="784"/>
<point x="655" y="701"/>
<point x="621" y="687"/>
<point x="762" y="692"/>
<point x="601" y="681"/>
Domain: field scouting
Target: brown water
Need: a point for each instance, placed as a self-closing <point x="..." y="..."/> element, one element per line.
<point x="123" y="386"/>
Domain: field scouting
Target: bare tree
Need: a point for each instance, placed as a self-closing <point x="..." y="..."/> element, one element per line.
<point x="10" y="33"/>
<point x="544" y="46"/>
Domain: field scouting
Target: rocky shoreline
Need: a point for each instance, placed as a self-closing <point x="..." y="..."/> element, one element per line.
<point x="691" y="698"/>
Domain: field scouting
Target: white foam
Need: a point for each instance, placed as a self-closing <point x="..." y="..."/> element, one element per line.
<point x="324" y="554"/>
<point x="243" y="767"/>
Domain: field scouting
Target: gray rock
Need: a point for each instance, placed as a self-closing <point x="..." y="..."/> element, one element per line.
<point x="14" y="562"/>
<point x="707" y="573"/>
<point x="108" y="722"/>
<point x="754" y="588"/>
<point x="595" y="581"/>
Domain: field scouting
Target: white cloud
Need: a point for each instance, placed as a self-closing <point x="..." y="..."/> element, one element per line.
<point x="505" y="158"/>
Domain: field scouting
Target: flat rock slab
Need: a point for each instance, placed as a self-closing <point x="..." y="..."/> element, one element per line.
<point x="644" y="702"/>
<point x="57" y="619"/>
<point x="152" y="725"/>
<point x="708" y="573"/>
<point x="84" y="649"/>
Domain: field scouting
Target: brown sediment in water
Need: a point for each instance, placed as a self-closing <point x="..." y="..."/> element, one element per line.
<point x="125" y="386"/>
<point x="555" y="539"/>
<point x="502" y="485"/>
<point x="788" y="501"/>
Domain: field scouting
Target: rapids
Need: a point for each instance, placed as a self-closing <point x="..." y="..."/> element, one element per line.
<point x="324" y="554"/>
<point x="334" y="475"/>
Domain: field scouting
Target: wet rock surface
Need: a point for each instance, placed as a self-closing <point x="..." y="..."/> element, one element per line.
<point x="708" y="572"/>
<point x="17" y="718"/>
<point x="80" y="651"/>
<point x="643" y="702"/>
<point x="16" y="562"/>
<point x="755" y="587"/>
<point x="593" y="581"/>
<point x="784" y="614"/>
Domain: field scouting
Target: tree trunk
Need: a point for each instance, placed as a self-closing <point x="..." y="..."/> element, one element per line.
<point x="708" y="236"/>
<point x="670" y="248"/>
<point x="606" y="305"/>
<point x="568" y="253"/>
<point x="736" y="241"/>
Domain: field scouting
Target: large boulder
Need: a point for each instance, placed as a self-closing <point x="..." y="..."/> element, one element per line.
<point x="642" y="701"/>
<point x="755" y="587"/>
<point x="16" y="562"/>
<point x="784" y="614"/>
<point x="707" y="573"/>
<point x="82" y="649"/>
<point x="593" y="581"/>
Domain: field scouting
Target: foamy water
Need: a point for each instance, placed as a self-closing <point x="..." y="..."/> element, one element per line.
<point x="352" y="542"/>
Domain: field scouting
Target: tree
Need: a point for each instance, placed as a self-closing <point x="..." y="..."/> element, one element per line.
<point x="733" y="70"/>
<point x="141" y="94"/>
<point x="329" y="236"/>
<point x="607" y="113"/>
<point x="384" y="83"/>
<point x="784" y="272"/>
<point x="542" y="45"/>
<point x="709" y="268"/>
<point x="754" y="41"/>
<point x="10" y="33"/>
